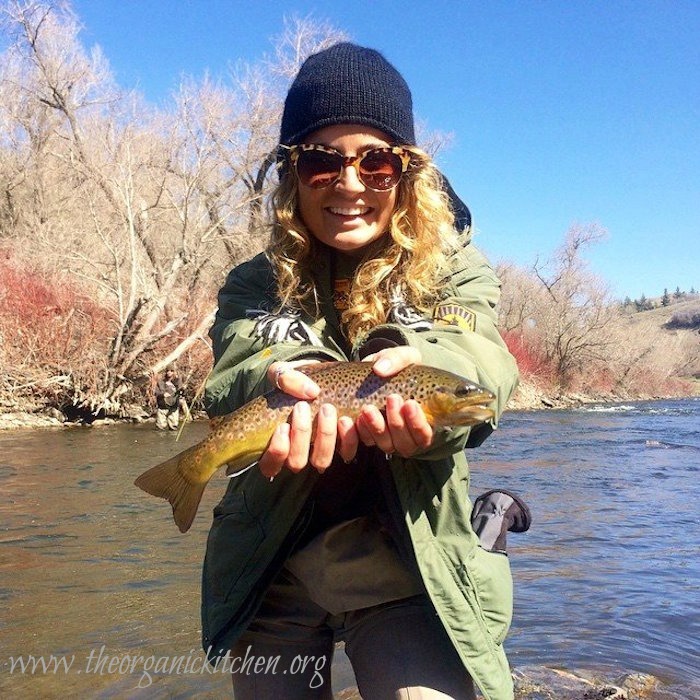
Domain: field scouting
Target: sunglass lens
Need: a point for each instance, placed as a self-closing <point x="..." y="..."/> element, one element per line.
<point x="318" y="168"/>
<point x="381" y="170"/>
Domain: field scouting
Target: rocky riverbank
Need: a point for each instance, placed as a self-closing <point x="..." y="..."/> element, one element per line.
<point x="53" y="418"/>
<point x="528" y="397"/>
<point x="546" y="683"/>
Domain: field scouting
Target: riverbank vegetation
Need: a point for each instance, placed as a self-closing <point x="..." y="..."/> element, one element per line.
<point x="574" y="342"/>
<point x="119" y="219"/>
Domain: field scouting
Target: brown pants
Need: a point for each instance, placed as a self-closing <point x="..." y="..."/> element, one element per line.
<point x="397" y="650"/>
<point x="167" y="418"/>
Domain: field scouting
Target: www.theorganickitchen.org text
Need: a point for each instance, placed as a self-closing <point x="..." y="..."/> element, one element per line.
<point x="145" y="667"/>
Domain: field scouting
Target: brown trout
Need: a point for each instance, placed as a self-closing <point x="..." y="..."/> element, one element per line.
<point x="239" y="438"/>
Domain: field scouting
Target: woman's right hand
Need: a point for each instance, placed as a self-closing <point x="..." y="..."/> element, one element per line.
<point x="297" y="443"/>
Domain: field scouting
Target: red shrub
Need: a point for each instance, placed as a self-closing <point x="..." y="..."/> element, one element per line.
<point x="50" y="333"/>
<point x="530" y="359"/>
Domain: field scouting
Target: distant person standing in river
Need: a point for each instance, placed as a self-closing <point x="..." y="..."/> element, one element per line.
<point x="357" y="530"/>
<point x="168" y="395"/>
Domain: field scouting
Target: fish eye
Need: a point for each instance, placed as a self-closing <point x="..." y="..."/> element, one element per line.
<point x="465" y="389"/>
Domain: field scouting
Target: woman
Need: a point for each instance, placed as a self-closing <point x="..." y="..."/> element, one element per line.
<point x="357" y="530"/>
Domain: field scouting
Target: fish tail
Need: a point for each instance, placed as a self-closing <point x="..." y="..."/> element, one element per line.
<point x="168" y="481"/>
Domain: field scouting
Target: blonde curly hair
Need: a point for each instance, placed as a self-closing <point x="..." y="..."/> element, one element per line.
<point x="411" y="259"/>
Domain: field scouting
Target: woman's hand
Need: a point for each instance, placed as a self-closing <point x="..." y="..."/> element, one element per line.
<point x="405" y="428"/>
<point x="296" y="443"/>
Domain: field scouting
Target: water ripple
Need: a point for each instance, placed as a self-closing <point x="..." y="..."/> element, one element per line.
<point x="608" y="574"/>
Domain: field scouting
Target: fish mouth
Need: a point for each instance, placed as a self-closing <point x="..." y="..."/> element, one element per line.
<point x="466" y="406"/>
<point x="475" y="414"/>
<point x="474" y="409"/>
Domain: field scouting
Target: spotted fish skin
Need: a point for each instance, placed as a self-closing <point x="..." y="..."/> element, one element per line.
<point x="239" y="438"/>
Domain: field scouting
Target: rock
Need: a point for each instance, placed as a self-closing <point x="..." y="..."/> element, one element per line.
<point x="543" y="683"/>
<point x="639" y="684"/>
<point x="608" y="692"/>
<point x="14" y="420"/>
<point x="55" y="414"/>
<point x="135" y="413"/>
<point x="103" y="421"/>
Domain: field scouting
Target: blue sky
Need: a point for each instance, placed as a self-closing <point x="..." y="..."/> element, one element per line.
<point x="562" y="112"/>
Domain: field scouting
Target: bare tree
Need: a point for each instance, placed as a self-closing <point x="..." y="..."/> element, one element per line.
<point x="300" y="37"/>
<point x="147" y="208"/>
<point x="561" y="308"/>
<point x="521" y="297"/>
<point x="575" y="322"/>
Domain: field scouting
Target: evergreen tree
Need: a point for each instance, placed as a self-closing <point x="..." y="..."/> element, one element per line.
<point x="677" y="294"/>
<point x="665" y="299"/>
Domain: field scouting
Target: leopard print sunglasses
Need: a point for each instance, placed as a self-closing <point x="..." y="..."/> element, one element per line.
<point x="379" y="169"/>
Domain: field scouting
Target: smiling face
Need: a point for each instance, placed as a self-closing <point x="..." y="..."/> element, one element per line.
<point x="347" y="215"/>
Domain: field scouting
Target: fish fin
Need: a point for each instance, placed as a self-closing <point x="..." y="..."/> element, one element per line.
<point x="232" y="470"/>
<point x="167" y="481"/>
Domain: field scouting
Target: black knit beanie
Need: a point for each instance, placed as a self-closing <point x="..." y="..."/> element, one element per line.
<point x="348" y="84"/>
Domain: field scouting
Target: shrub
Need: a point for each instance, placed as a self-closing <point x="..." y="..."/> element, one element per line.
<point x="529" y="356"/>
<point x="53" y="337"/>
<point x="687" y="318"/>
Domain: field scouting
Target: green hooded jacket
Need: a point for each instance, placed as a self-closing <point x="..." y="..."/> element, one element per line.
<point x="257" y="523"/>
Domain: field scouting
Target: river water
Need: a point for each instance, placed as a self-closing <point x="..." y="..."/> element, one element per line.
<point x="93" y="572"/>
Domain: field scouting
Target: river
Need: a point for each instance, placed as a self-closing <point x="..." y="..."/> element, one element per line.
<point x="93" y="571"/>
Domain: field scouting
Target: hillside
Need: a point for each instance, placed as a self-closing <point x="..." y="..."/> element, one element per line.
<point x="663" y="314"/>
<point x="648" y="358"/>
<point x="687" y="340"/>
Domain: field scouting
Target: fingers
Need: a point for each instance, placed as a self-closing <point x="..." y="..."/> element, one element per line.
<point x="405" y="428"/>
<point x="325" y="437"/>
<point x="297" y="443"/>
<point x="390" y="361"/>
<point x="348" y="439"/>
<point x="289" y="444"/>
<point x="274" y="457"/>
<point x="400" y="436"/>
<point x="417" y="424"/>
<point x="285" y="377"/>
<point x="300" y="437"/>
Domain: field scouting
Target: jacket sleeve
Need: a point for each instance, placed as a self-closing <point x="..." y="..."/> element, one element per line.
<point x="241" y="354"/>
<point x="463" y="339"/>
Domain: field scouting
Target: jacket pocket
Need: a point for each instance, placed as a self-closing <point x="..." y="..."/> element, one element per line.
<point x="234" y="539"/>
<point x="494" y="588"/>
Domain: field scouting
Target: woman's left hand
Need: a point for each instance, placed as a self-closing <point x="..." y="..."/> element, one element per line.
<point x="404" y="429"/>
